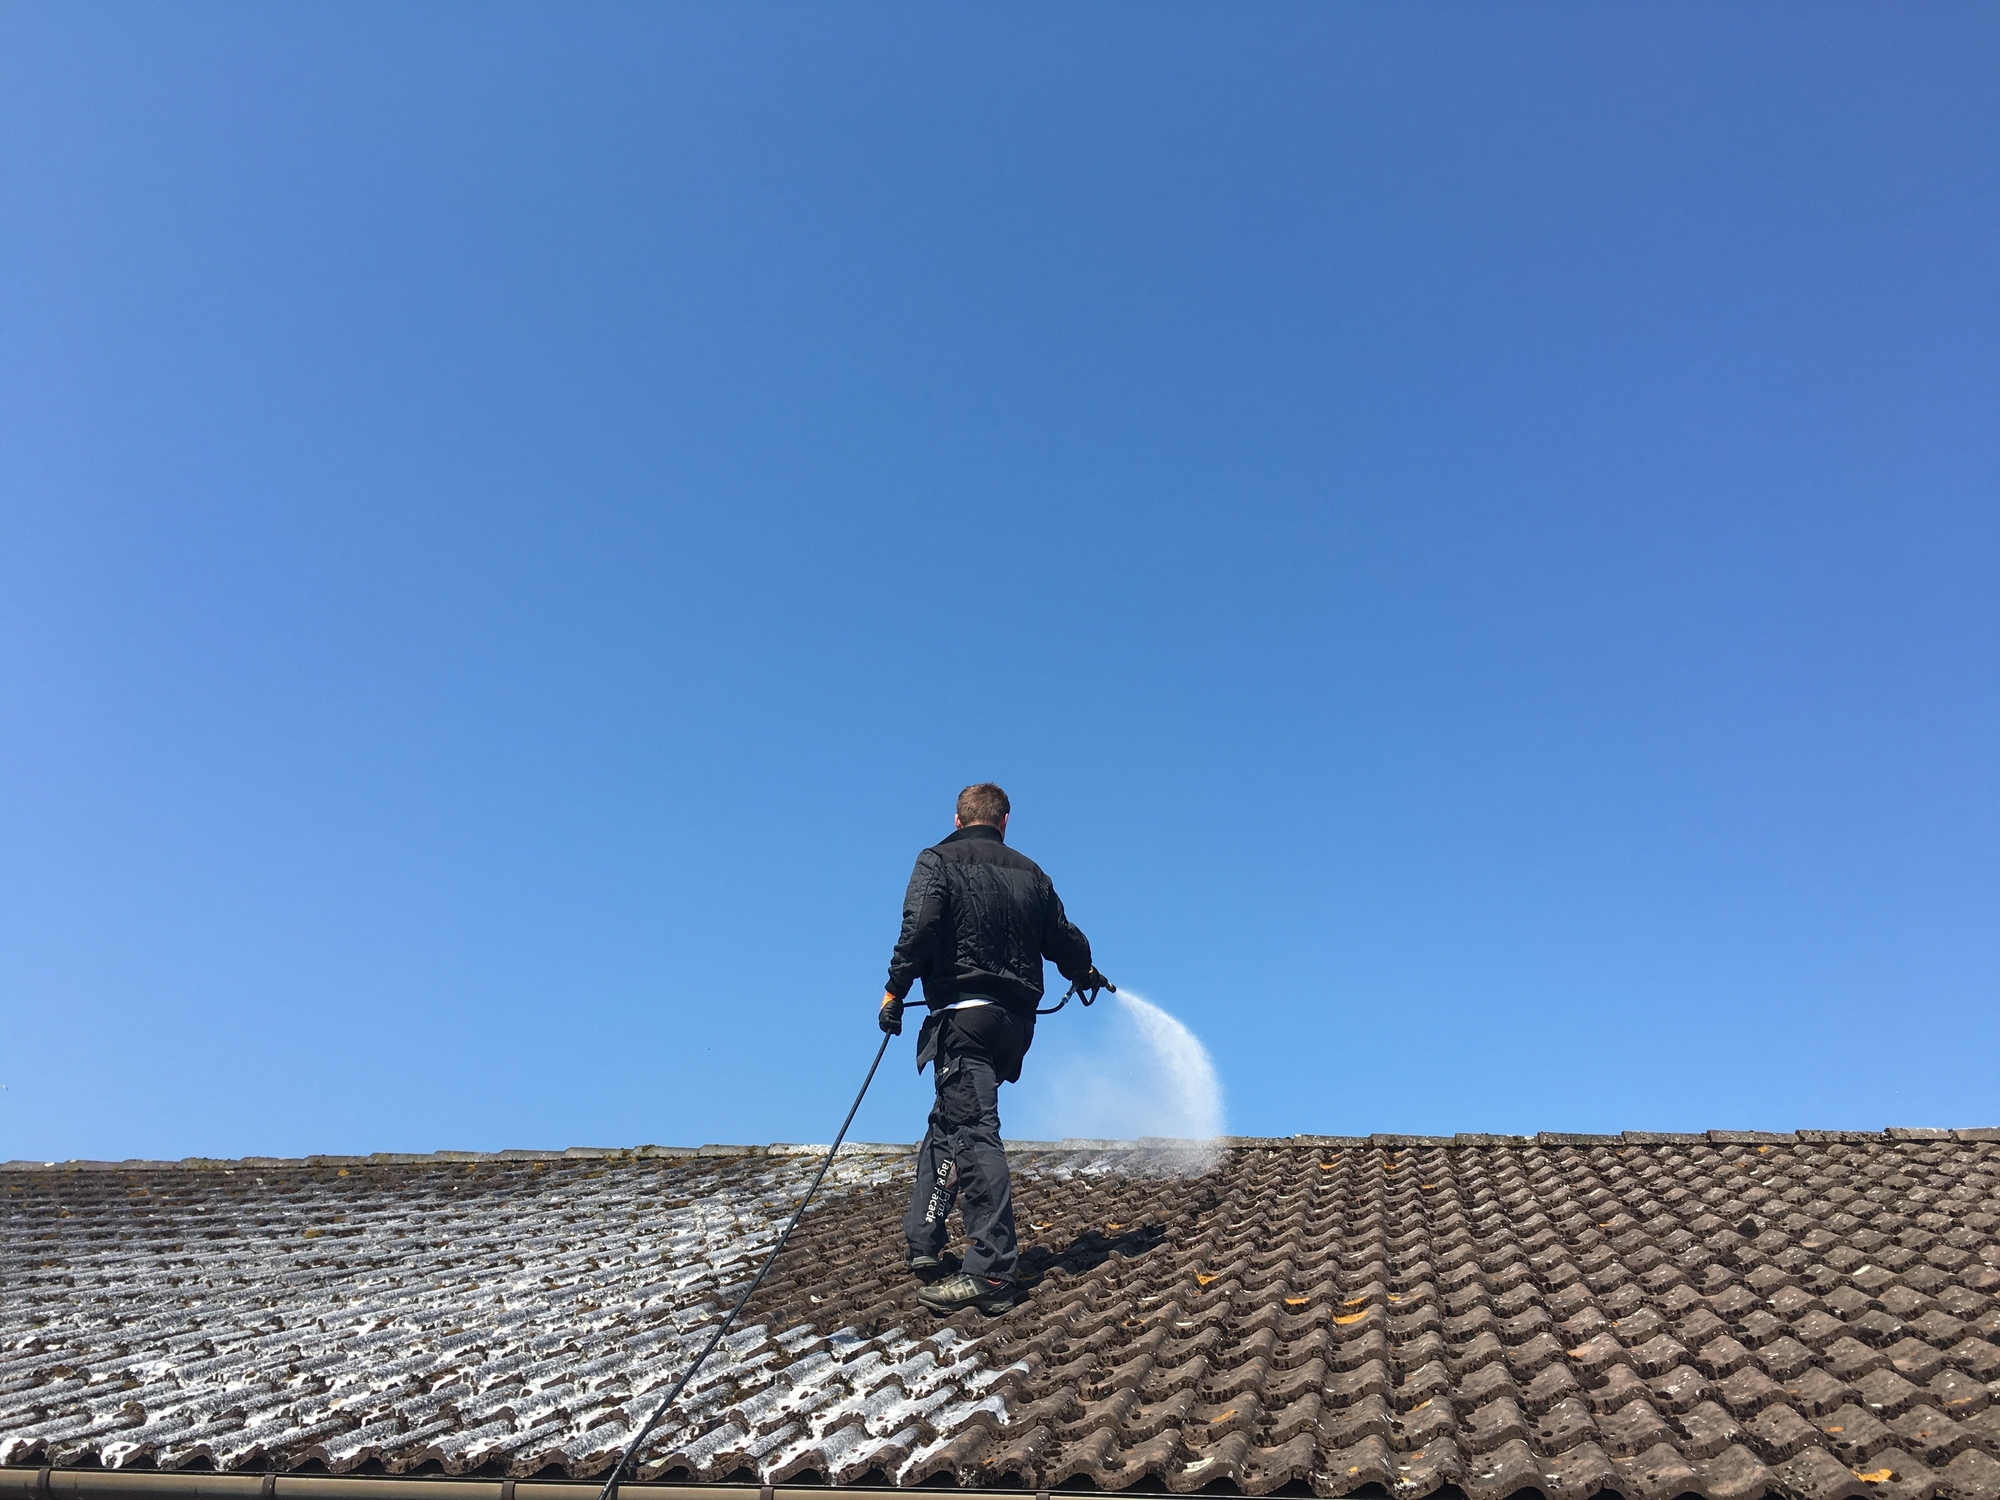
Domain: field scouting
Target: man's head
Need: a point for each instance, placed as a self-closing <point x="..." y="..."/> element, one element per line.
<point x="984" y="803"/>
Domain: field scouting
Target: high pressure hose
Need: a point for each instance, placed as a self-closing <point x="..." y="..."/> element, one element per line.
<point x="632" y="1449"/>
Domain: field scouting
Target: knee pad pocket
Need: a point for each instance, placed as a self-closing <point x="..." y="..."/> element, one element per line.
<point x="961" y="1101"/>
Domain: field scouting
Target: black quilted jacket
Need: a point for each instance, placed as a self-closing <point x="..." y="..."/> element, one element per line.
<point x="978" y="920"/>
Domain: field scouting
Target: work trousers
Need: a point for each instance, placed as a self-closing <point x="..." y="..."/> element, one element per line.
<point x="961" y="1161"/>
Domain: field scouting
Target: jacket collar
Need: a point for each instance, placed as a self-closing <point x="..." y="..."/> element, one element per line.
<point x="976" y="831"/>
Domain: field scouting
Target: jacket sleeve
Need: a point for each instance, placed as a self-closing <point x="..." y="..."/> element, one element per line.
<point x="923" y="925"/>
<point x="1063" y="942"/>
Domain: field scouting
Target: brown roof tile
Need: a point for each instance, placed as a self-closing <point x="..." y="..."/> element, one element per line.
<point x="1728" y="1314"/>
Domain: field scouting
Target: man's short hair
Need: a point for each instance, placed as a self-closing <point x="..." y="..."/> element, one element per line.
<point x="984" y="803"/>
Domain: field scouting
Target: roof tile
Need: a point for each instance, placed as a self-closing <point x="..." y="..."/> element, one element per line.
<point x="1657" y="1314"/>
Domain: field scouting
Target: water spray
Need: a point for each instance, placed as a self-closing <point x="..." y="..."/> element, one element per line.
<point x="1146" y="1079"/>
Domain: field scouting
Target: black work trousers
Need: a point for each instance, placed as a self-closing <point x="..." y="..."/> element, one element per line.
<point x="961" y="1161"/>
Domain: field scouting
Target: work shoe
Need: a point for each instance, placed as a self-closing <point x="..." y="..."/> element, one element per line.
<point x="989" y="1294"/>
<point x="929" y="1268"/>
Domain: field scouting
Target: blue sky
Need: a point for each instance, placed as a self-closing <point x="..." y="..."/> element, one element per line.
<point x="1469" y="533"/>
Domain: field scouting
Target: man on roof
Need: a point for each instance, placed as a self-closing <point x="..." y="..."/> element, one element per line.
<point x="978" y="920"/>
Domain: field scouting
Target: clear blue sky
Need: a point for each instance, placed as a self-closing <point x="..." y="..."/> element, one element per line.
<point x="1469" y="532"/>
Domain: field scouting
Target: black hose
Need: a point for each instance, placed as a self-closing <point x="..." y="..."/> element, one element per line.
<point x="610" y="1490"/>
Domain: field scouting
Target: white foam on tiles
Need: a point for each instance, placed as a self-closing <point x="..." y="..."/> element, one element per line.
<point x="267" y="1316"/>
<point x="891" y="1390"/>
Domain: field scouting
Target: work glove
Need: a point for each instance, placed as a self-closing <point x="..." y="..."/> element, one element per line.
<point x="1091" y="983"/>
<point x="891" y="1015"/>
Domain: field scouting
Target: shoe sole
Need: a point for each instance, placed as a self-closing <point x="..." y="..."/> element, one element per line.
<point x="992" y="1308"/>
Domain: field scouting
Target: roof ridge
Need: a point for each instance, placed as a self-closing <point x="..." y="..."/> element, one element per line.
<point x="1389" y="1141"/>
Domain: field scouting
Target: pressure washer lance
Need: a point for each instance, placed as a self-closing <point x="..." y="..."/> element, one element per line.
<point x="1086" y="987"/>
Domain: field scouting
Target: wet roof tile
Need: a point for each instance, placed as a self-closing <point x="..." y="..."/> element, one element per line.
<point x="1723" y="1314"/>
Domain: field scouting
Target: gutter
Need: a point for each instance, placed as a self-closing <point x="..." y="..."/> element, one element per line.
<point x="21" y="1482"/>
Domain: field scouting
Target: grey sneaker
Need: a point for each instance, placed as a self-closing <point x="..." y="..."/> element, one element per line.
<point x="990" y="1295"/>
<point x="929" y="1268"/>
